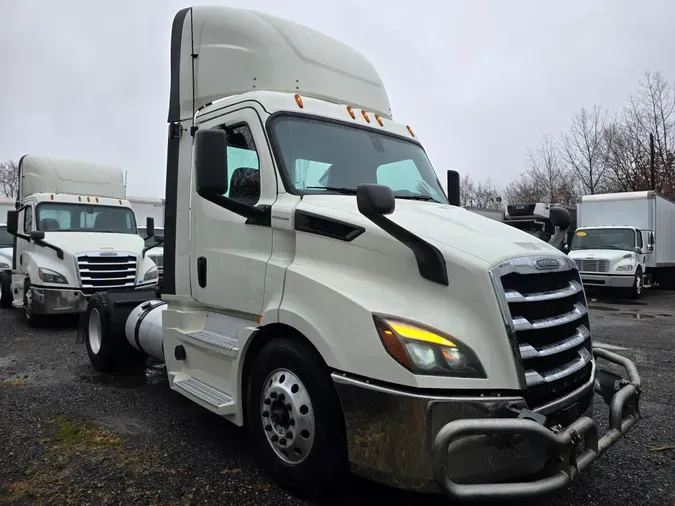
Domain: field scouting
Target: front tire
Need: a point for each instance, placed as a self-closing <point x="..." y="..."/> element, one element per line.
<point x="638" y="285"/>
<point x="32" y="319"/>
<point x="295" y="419"/>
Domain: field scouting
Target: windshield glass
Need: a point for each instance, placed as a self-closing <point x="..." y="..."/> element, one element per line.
<point x="6" y="240"/>
<point x="58" y="217"/>
<point x="151" y="241"/>
<point x="604" y="238"/>
<point x="324" y="157"/>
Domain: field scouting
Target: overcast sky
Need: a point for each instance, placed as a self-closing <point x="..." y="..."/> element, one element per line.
<point x="479" y="81"/>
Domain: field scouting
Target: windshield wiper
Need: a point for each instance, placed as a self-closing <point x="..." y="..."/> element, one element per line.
<point x="416" y="197"/>
<point x="345" y="191"/>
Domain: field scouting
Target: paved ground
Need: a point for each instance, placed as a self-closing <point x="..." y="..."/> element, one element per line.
<point x="72" y="436"/>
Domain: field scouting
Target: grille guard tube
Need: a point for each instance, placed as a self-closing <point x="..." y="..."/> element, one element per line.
<point x="624" y="413"/>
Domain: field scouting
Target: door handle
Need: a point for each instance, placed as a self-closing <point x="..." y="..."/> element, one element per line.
<point x="201" y="271"/>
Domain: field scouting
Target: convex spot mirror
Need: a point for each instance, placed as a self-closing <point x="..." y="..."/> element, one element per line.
<point x="373" y="199"/>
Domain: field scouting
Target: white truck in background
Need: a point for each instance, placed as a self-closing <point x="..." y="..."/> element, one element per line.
<point x="625" y="241"/>
<point x="321" y="289"/>
<point x="74" y="234"/>
<point x="149" y="207"/>
<point x="6" y="246"/>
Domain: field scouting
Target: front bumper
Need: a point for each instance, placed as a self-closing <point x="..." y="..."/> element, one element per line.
<point x="608" y="280"/>
<point x="58" y="301"/>
<point x="480" y="447"/>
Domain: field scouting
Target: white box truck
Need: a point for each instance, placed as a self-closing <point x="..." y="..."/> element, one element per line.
<point x="149" y="207"/>
<point x="625" y="241"/>
<point x="322" y="290"/>
<point x="74" y="234"/>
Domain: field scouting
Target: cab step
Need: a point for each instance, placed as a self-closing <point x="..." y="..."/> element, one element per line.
<point x="213" y="338"/>
<point x="211" y="398"/>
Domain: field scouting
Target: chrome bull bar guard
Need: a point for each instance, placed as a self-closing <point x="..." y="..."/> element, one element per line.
<point x="572" y="448"/>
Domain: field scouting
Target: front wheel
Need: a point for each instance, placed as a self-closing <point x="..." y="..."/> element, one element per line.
<point x="32" y="319"/>
<point x="295" y="419"/>
<point x="638" y="285"/>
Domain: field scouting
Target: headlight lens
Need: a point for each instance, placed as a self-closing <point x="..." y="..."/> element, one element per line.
<point x="151" y="275"/>
<point x="624" y="268"/>
<point x="426" y="351"/>
<point x="50" y="276"/>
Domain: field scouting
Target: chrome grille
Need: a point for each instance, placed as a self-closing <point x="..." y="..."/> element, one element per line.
<point x="593" y="265"/>
<point x="104" y="271"/>
<point x="546" y="315"/>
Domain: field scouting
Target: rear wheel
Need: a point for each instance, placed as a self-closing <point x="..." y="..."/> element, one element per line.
<point x="295" y="419"/>
<point x="107" y="346"/>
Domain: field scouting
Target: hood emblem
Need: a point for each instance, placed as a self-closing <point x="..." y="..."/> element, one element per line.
<point x="547" y="263"/>
<point x="108" y="253"/>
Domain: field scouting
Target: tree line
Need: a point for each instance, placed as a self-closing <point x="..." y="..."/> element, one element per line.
<point x="631" y="150"/>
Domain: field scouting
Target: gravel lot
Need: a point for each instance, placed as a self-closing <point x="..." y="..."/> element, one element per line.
<point x="72" y="436"/>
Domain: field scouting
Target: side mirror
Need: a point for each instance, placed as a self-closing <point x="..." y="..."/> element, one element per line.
<point x="566" y="248"/>
<point x="651" y="238"/>
<point x="149" y="227"/>
<point x="211" y="162"/>
<point x="374" y="199"/>
<point x="560" y="217"/>
<point x="12" y="222"/>
<point x="37" y="235"/>
<point x="453" y="188"/>
<point x="650" y="248"/>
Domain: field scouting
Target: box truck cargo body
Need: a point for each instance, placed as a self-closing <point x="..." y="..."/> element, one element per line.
<point x="625" y="239"/>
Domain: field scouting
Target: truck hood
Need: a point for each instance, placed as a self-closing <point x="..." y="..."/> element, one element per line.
<point x="447" y="227"/>
<point x="593" y="254"/>
<point x="81" y="242"/>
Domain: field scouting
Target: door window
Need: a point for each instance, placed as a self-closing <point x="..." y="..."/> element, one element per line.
<point x="28" y="220"/>
<point x="242" y="165"/>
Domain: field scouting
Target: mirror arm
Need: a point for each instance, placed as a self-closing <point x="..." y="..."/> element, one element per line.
<point x="148" y="248"/>
<point x="256" y="215"/>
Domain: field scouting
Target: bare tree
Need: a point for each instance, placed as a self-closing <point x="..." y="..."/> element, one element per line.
<point x="483" y="194"/>
<point x="548" y="176"/>
<point x="585" y="149"/>
<point x="9" y="179"/>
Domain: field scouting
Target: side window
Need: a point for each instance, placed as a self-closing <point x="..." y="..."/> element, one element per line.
<point x="639" y="238"/>
<point x="28" y="220"/>
<point x="242" y="165"/>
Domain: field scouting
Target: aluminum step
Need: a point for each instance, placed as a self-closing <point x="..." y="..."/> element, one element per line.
<point x="214" y="339"/>
<point x="209" y="397"/>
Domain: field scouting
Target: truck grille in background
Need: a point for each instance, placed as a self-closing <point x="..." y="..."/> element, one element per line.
<point x="594" y="265"/>
<point x="104" y="272"/>
<point x="546" y="314"/>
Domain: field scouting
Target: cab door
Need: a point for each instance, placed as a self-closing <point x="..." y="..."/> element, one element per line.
<point x="230" y="252"/>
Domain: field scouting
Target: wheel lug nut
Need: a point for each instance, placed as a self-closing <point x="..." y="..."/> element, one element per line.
<point x="289" y="407"/>
<point x="268" y="427"/>
<point x="273" y="395"/>
<point x="265" y="413"/>
<point x="274" y="438"/>
<point x="289" y="435"/>
<point x="281" y="397"/>
<point x="268" y="401"/>
<point x="282" y="441"/>
<point x="291" y="422"/>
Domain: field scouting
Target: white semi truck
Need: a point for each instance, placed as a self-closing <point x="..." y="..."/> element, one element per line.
<point x="74" y="234"/>
<point x="625" y="241"/>
<point x="321" y="289"/>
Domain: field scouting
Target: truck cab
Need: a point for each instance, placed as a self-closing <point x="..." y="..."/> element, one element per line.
<point x="613" y="256"/>
<point x="322" y="289"/>
<point x="73" y="234"/>
<point x="154" y="249"/>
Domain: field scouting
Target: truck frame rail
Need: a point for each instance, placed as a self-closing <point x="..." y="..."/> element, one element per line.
<point x="572" y="449"/>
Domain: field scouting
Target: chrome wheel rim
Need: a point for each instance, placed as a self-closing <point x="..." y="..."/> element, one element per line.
<point x="638" y="284"/>
<point x="94" y="331"/>
<point x="28" y="304"/>
<point x="287" y="416"/>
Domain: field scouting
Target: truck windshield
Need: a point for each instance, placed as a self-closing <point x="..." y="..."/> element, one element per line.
<point x="6" y="240"/>
<point x="151" y="241"/>
<point x="604" y="238"/>
<point x="58" y="217"/>
<point x="319" y="157"/>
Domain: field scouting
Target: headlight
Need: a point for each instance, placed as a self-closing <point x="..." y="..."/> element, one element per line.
<point x="50" y="276"/>
<point x="151" y="275"/>
<point x="423" y="350"/>
<point x="5" y="265"/>
<point x="624" y="268"/>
